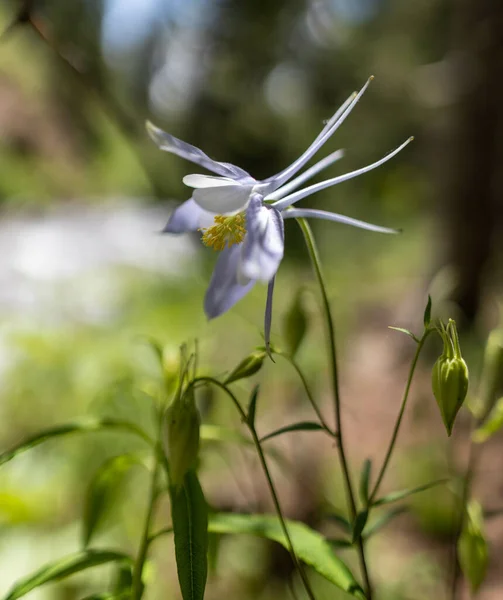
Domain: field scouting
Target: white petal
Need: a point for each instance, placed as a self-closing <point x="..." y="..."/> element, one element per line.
<point x="263" y="246"/>
<point x="223" y="199"/>
<point x="205" y="181"/>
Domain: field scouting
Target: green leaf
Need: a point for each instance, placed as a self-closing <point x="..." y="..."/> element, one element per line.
<point x="427" y="313"/>
<point x="364" y="481"/>
<point x="301" y="426"/>
<point x="341" y="520"/>
<point x="63" y="568"/>
<point x="189" y="514"/>
<point x="401" y="494"/>
<point x="217" y="433"/>
<point x="360" y="522"/>
<point x="473" y="552"/>
<point x="102" y="491"/>
<point x="492" y="424"/>
<point x="406" y="331"/>
<point x="339" y="543"/>
<point x="252" y="406"/>
<point x="310" y="546"/>
<point x="247" y="367"/>
<point x="382" y="521"/>
<point x="79" y="426"/>
<point x="295" y="324"/>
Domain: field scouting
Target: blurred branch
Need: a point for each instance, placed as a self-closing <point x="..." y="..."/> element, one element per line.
<point x="127" y="124"/>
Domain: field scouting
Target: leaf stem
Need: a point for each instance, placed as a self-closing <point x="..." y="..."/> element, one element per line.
<point x="270" y="482"/>
<point x="330" y="330"/>
<point x="309" y="394"/>
<point x="137" y="586"/>
<point x="400" y="415"/>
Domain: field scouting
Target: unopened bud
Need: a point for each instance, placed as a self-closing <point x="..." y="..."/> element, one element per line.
<point x="450" y="377"/>
<point x="247" y="367"/>
<point x="181" y="436"/>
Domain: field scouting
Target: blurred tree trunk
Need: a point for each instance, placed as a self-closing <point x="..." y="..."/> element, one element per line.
<point x="472" y="197"/>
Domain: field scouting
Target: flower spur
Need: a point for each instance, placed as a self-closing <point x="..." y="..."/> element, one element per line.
<point x="243" y="217"/>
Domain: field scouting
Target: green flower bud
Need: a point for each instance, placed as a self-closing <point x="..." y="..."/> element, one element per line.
<point x="247" y="367"/>
<point x="473" y="552"/>
<point x="450" y="376"/>
<point x="181" y="435"/>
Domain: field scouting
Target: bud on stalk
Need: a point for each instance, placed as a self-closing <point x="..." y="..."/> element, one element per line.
<point x="181" y="435"/>
<point x="450" y="376"/>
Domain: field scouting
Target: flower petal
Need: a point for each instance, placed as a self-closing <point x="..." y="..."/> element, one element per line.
<point x="298" y="213"/>
<point x="170" y="143"/>
<point x="263" y="246"/>
<point x="222" y="199"/>
<point x="335" y="122"/>
<point x="205" y="181"/>
<point x="189" y="216"/>
<point x="311" y="189"/>
<point x="224" y="289"/>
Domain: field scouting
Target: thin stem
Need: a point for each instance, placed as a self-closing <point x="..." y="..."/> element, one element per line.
<point x="145" y="539"/>
<point x="465" y="495"/>
<point x="309" y="395"/>
<point x="270" y="483"/>
<point x="330" y="330"/>
<point x="400" y="416"/>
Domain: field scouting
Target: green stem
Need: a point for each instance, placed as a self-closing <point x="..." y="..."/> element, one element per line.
<point x="309" y="395"/>
<point x="330" y="329"/>
<point x="145" y="539"/>
<point x="400" y="416"/>
<point x="270" y="483"/>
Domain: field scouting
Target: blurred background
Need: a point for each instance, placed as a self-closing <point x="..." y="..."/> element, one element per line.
<point x="85" y="277"/>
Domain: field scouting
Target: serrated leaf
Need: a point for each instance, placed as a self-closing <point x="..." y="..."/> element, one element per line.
<point x="295" y="324"/>
<point x="252" y="406"/>
<point x="427" y="313"/>
<point x="102" y="490"/>
<point x="300" y="426"/>
<point x="406" y="331"/>
<point x="189" y="514"/>
<point x="382" y="521"/>
<point x="79" y="426"/>
<point x="310" y="546"/>
<point x="360" y="522"/>
<point x="64" y="568"/>
<point x="491" y="425"/>
<point x="401" y="494"/>
<point x="473" y="551"/>
<point x="364" y="482"/>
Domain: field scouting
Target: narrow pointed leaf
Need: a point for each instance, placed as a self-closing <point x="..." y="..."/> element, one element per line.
<point x="64" y="568"/>
<point x="360" y="522"/>
<point x="401" y="494"/>
<point x="382" y="521"/>
<point x="102" y="491"/>
<point x="427" y="313"/>
<point x="189" y="514"/>
<point x="406" y="331"/>
<point x="492" y="424"/>
<point x="252" y="406"/>
<point x="79" y="426"/>
<point x="338" y="543"/>
<point x="472" y="548"/>
<point x="364" y="482"/>
<point x="341" y="520"/>
<point x="310" y="546"/>
<point x="295" y="323"/>
<point x="301" y="426"/>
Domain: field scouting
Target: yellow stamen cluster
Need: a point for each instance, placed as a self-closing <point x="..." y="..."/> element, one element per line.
<point x="224" y="231"/>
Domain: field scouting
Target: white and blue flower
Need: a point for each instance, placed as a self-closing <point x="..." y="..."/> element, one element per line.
<point x="243" y="217"/>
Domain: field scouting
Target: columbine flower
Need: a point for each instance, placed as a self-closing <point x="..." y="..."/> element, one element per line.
<point x="243" y="217"/>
